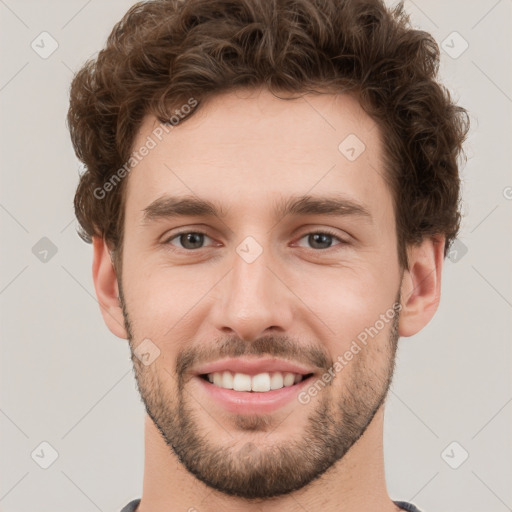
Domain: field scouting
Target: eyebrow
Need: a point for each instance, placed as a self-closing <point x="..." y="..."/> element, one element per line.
<point x="167" y="207"/>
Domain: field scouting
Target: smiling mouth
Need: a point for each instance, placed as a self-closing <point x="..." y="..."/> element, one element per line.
<point x="260" y="383"/>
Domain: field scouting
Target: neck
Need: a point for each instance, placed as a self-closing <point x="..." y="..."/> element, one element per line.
<point x="355" y="484"/>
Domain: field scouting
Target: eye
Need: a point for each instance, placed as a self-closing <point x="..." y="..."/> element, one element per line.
<point x="188" y="240"/>
<point x="322" y="239"/>
<point x="194" y="240"/>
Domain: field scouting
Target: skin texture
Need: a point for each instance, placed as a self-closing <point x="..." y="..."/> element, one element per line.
<point x="247" y="151"/>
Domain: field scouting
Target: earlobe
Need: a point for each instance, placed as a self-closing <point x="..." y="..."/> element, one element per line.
<point x="421" y="285"/>
<point x="107" y="290"/>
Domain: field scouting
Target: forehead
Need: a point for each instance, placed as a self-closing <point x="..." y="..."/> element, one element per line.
<point x="247" y="149"/>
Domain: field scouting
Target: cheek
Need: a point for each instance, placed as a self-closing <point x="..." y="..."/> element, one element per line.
<point x="346" y="300"/>
<point x="338" y="302"/>
<point x="161" y="299"/>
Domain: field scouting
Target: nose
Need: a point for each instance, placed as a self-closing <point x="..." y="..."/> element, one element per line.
<point x="253" y="300"/>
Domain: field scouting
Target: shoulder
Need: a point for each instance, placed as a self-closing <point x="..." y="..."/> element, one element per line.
<point x="131" y="507"/>
<point x="409" y="507"/>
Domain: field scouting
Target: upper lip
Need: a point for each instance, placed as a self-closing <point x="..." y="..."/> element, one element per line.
<point x="253" y="366"/>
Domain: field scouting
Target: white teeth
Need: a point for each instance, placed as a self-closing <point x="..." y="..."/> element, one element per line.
<point x="289" y="379"/>
<point x="276" y="382"/>
<point x="217" y="379"/>
<point x="227" y="380"/>
<point x="260" y="383"/>
<point x="241" y="382"/>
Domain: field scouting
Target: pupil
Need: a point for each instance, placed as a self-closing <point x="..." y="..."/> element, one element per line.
<point x="192" y="240"/>
<point x="320" y="238"/>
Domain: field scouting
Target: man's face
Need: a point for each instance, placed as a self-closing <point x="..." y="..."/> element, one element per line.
<point x="251" y="284"/>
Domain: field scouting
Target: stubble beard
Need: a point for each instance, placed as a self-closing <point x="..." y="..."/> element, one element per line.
<point x="245" y="467"/>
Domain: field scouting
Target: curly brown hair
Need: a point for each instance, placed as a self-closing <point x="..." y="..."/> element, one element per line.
<point x="164" y="52"/>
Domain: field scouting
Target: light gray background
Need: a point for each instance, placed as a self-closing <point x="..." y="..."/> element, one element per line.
<point x="67" y="381"/>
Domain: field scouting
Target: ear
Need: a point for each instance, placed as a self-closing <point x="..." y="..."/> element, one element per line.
<point x="107" y="290"/>
<point x="421" y="285"/>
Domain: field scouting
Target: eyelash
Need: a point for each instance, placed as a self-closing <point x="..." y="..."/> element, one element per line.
<point x="317" y="232"/>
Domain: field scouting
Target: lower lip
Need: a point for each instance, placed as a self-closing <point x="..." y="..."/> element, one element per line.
<point x="251" y="402"/>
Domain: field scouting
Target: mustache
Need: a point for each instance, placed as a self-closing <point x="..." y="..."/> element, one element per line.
<point x="269" y="346"/>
